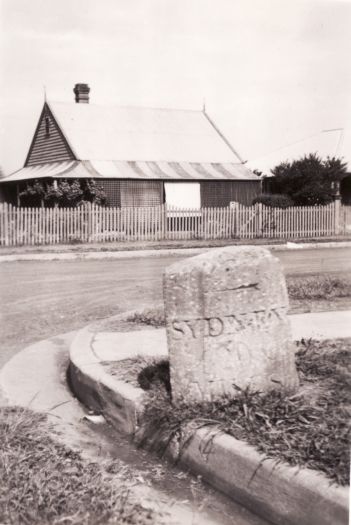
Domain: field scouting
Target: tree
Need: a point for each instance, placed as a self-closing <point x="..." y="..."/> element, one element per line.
<point x="309" y="180"/>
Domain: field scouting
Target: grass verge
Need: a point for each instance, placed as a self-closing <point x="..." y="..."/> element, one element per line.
<point x="44" y="482"/>
<point x="309" y="429"/>
<point x="318" y="287"/>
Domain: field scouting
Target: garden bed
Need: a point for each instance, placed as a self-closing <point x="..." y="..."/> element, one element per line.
<point x="309" y="429"/>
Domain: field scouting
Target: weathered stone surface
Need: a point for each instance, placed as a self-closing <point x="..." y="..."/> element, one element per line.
<point x="227" y="325"/>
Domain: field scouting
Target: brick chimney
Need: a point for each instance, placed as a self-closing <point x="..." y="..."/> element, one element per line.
<point x="81" y="92"/>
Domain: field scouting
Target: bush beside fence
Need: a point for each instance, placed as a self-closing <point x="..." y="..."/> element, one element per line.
<point x="91" y="223"/>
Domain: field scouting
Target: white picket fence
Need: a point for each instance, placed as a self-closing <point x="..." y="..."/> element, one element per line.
<point x="90" y="223"/>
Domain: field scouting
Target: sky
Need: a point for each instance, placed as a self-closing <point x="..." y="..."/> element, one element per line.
<point x="271" y="72"/>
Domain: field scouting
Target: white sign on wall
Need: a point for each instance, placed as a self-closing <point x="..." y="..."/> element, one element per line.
<point x="183" y="194"/>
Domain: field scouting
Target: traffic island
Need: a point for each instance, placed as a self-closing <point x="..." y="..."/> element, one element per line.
<point x="273" y="489"/>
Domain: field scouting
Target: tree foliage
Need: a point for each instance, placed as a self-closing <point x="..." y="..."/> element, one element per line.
<point x="309" y="180"/>
<point x="65" y="194"/>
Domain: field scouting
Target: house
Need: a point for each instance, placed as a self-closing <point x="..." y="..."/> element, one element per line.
<point x="141" y="156"/>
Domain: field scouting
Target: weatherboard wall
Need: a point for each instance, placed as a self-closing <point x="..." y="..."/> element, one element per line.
<point x="49" y="144"/>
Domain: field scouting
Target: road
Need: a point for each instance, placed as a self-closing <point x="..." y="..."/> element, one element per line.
<point x="325" y="260"/>
<point x="47" y="298"/>
<point x="40" y="299"/>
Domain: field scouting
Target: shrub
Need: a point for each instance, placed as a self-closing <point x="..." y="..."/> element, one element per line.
<point x="274" y="200"/>
<point x="33" y="194"/>
<point x="310" y="180"/>
<point x="64" y="193"/>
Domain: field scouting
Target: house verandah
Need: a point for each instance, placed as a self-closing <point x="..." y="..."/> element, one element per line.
<point x="126" y="184"/>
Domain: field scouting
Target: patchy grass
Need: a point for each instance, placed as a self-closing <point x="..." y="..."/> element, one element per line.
<point x="154" y="317"/>
<point x="44" y="482"/>
<point x="318" y="287"/>
<point x="310" y="428"/>
<point x="319" y="293"/>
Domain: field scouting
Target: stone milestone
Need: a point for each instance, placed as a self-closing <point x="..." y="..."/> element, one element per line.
<point x="227" y="325"/>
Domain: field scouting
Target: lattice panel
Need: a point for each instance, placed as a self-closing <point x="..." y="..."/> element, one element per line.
<point x="112" y="188"/>
<point x="221" y="193"/>
<point x="139" y="193"/>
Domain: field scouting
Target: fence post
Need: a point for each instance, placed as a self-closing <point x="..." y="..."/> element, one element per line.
<point x="337" y="212"/>
<point x="4" y="223"/>
<point x="165" y="222"/>
<point x="259" y="219"/>
<point x="7" y="224"/>
<point x="88" y="215"/>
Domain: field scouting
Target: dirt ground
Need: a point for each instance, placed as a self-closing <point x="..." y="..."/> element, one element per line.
<point x="40" y="299"/>
<point x="43" y="299"/>
<point x="159" y="245"/>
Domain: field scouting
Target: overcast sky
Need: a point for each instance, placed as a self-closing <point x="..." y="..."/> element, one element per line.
<point x="271" y="71"/>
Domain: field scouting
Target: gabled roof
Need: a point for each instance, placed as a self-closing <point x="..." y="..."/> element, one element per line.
<point x="87" y="140"/>
<point x="140" y="134"/>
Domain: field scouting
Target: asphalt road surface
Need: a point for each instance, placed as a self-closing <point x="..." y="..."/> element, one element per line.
<point x="40" y="299"/>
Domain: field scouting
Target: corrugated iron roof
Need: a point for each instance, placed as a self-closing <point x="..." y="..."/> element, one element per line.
<point x="53" y="170"/>
<point x="140" y="134"/>
<point x="134" y="170"/>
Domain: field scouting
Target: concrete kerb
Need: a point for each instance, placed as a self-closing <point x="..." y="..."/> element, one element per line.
<point x="283" y="494"/>
<point x="136" y="254"/>
<point x="119" y="402"/>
